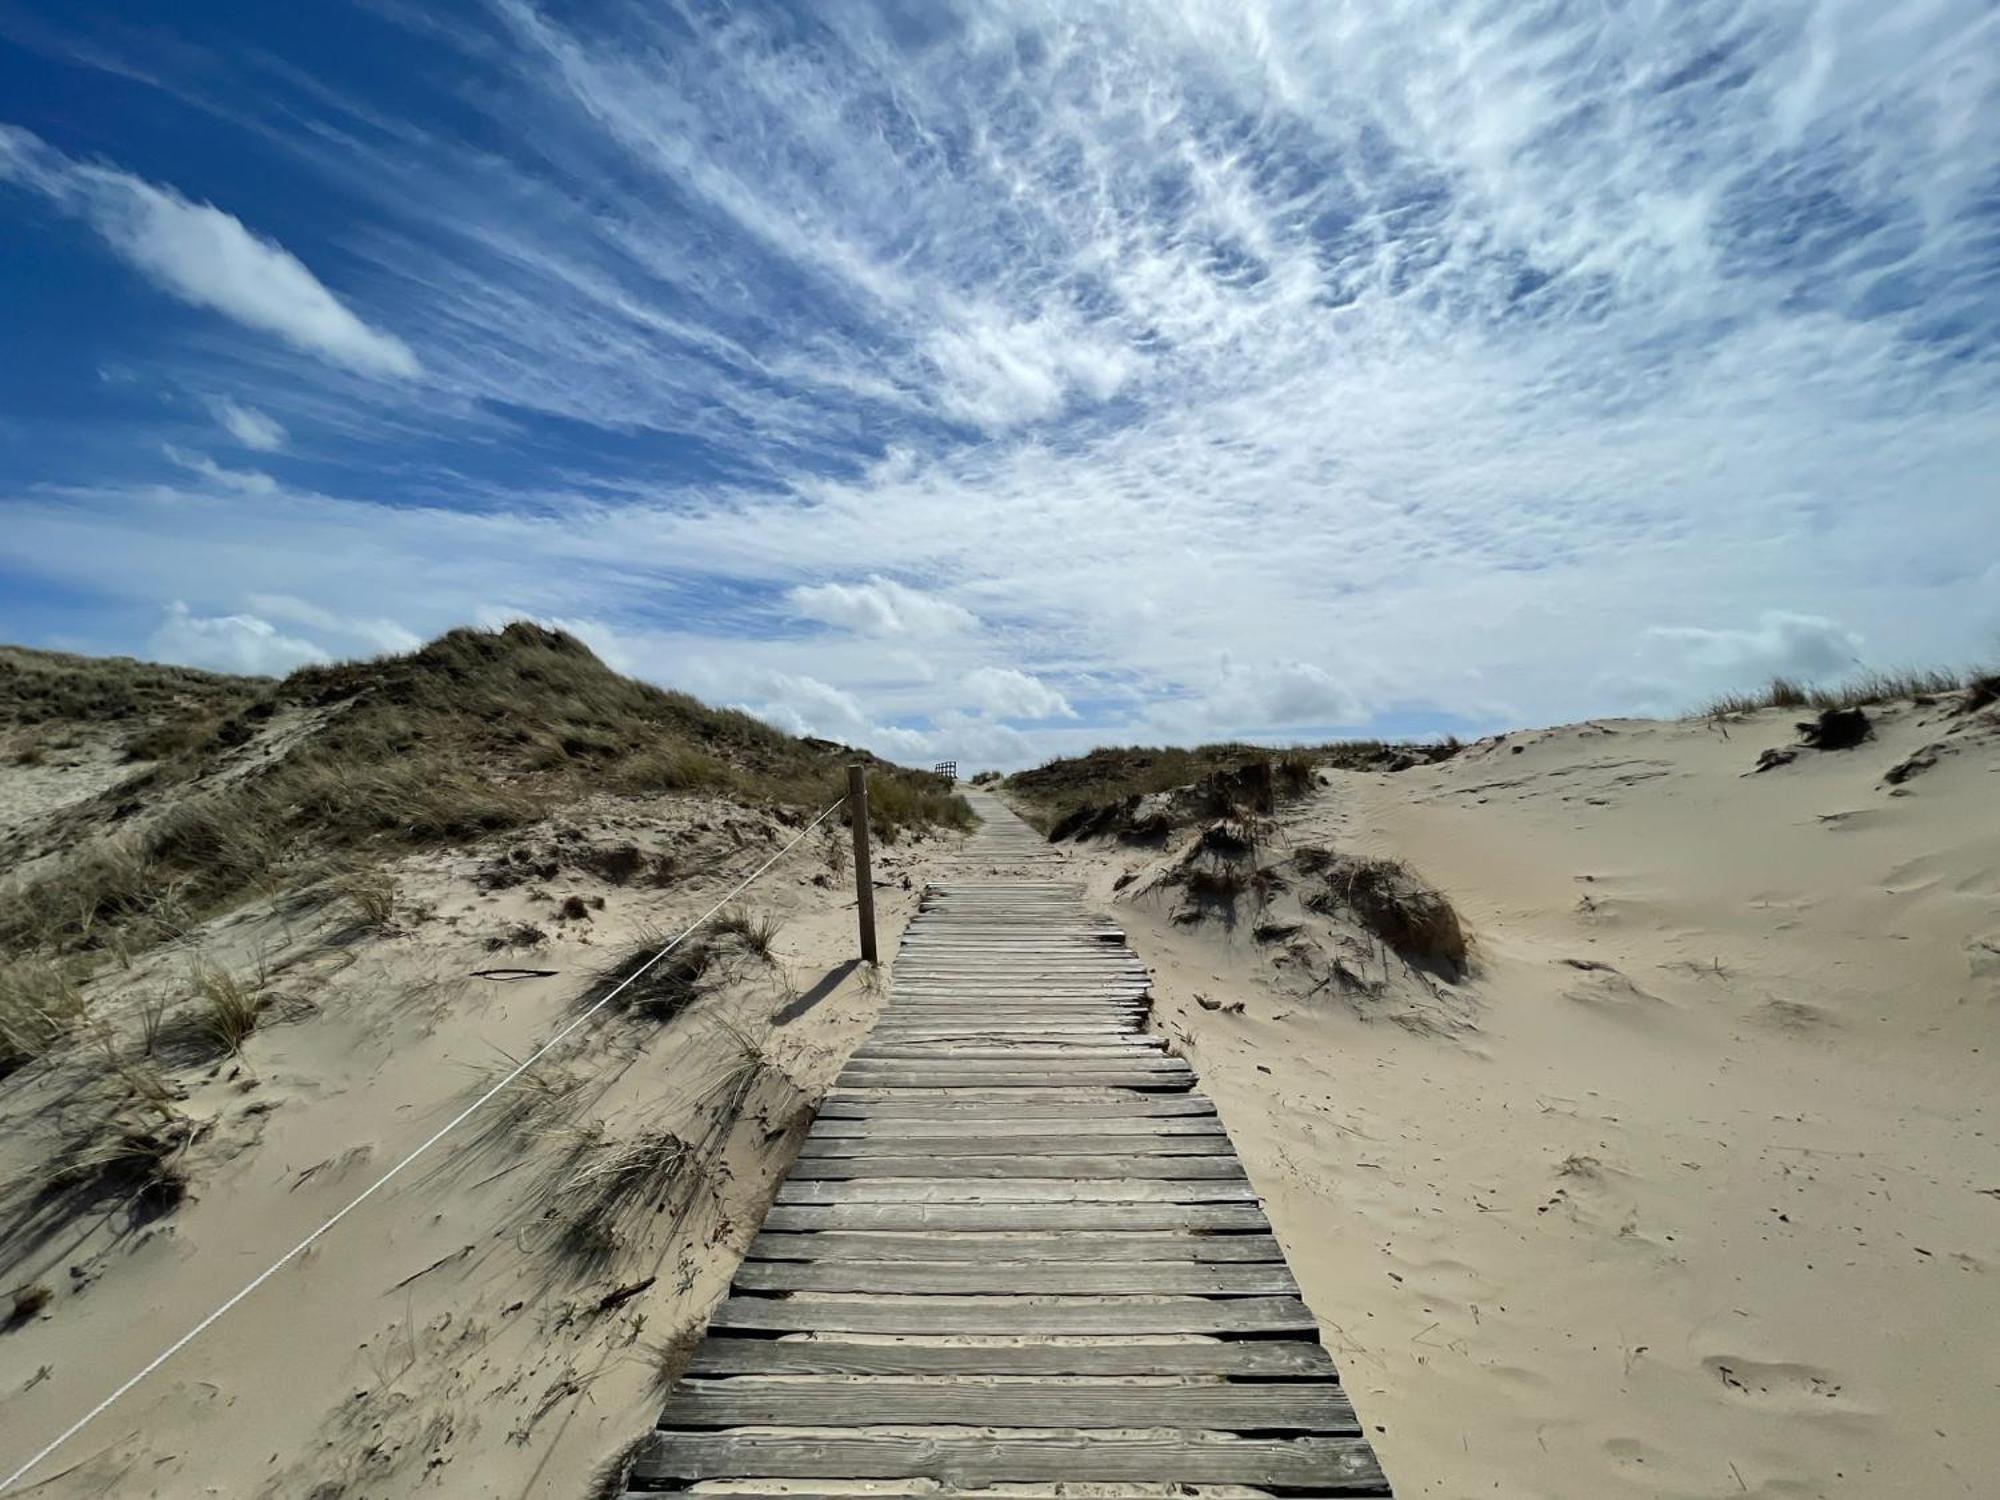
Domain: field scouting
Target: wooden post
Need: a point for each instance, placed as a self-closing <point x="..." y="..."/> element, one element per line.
<point x="864" y="883"/>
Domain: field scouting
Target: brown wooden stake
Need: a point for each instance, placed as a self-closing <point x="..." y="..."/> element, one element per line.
<point x="864" y="884"/>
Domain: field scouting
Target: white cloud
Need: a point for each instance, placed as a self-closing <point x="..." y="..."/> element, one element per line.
<point x="976" y="743"/>
<point x="805" y="705"/>
<point x="204" y="256"/>
<point x="1000" y="372"/>
<point x="1263" y="696"/>
<point x="379" y="635"/>
<point x="1808" y="647"/>
<point x="250" y="427"/>
<point x="1406" y="370"/>
<point x="244" y="481"/>
<point x="1006" y="693"/>
<point x="228" y="643"/>
<point x="880" y="606"/>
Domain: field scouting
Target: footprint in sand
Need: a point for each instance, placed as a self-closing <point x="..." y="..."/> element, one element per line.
<point x="1601" y="984"/>
<point x="1983" y="952"/>
<point x="1779" y="1385"/>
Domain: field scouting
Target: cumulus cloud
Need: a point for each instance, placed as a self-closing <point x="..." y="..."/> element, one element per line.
<point x="879" y="606"/>
<point x="804" y="705"/>
<point x="1262" y="696"/>
<point x="379" y="635"/>
<point x="976" y="743"/>
<point x="204" y="256"/>
<point x="250" y="427"/>
<point x="229" y="643"/>
<point x="1006" y="693"/>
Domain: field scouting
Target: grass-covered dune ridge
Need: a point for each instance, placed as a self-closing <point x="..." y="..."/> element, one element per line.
<point x="1061" y="789"/>
<point x="256" y="785"/>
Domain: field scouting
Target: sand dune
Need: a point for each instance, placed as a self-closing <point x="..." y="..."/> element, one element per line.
<point x="452" y="1336"/>
<point x="1704" y="1199"/>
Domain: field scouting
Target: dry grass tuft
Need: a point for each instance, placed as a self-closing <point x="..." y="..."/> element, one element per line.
<point x="372" y="894"/>
<point x="227" y="1007"/>
<point x="657" y="991"/>
<point x="1857" y="692"/>
<point x="1387" y="898"/>
<point x="1981" y="692"/>
<point x="41" y="1005"/>
<point x="28" y="1302"/>
<point x="613" y="1189"/>
<point x="756" y="934"/>
<point x="133" y="1163"/>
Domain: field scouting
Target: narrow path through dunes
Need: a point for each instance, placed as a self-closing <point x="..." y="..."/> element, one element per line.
<point x="1017" y="1248"/>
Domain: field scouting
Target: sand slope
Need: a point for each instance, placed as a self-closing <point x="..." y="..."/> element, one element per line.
<point x="1706" y="1201"/>
<point x="446" y="1338"/>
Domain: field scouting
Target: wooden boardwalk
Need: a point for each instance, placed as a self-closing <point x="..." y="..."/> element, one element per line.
<point x="1016" y="1250"/>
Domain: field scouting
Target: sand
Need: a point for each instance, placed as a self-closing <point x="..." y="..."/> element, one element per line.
<point x="1714" y="1214"/>
<point x="1717" y="1215"/>
<point x="446" y="1338"/>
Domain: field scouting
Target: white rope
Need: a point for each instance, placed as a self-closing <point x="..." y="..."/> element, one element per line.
<point x="368" y="1192"/>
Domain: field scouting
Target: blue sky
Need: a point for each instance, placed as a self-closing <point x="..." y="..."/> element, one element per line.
<point x="994" y="380"/>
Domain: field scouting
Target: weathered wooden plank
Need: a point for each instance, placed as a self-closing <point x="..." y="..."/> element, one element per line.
<point x="992" y="1034"/>
<point x="913" y="1077"/>
<point x="1016" y="1025"/>
<point x="1078" y="1245"/>
<point x="1031" y="1040"/>
<point x="995" y="1122"/>
<point x="1134" y="1278"/>
<point x="980" y="1021"/>
<point x="1047" y="1071"/>
<point x="1026" y="988"/>
<point x="1016" y="1190"/>
<point x="1127" y="1023"/>
<point x="1029" y="953"/>
<point x="1025" y="999"/>
<point x="865" y="1146"/>
<point x="1017" y="1011"/>
<point x="1248" y="1358"/>
<point x="1122" y="1022"/>
<point x="1030" y="984"/>
<point x="1340" y="1465"/>
<point x="1126" y="989"/>
<point x="890" y="1104"/>
<point x="834" y="1401"/>
<point x="995" y="1168"/>
<point x="1135" y="1049"/>
<point x="1053" y="1070"/>
<point x="889" y="1313"/>
<point x="1002" y="981"/>
<point x="1057" y="1065"/>
<point x="1039" y="1007"/>
<point x="1067" y="1216"/>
